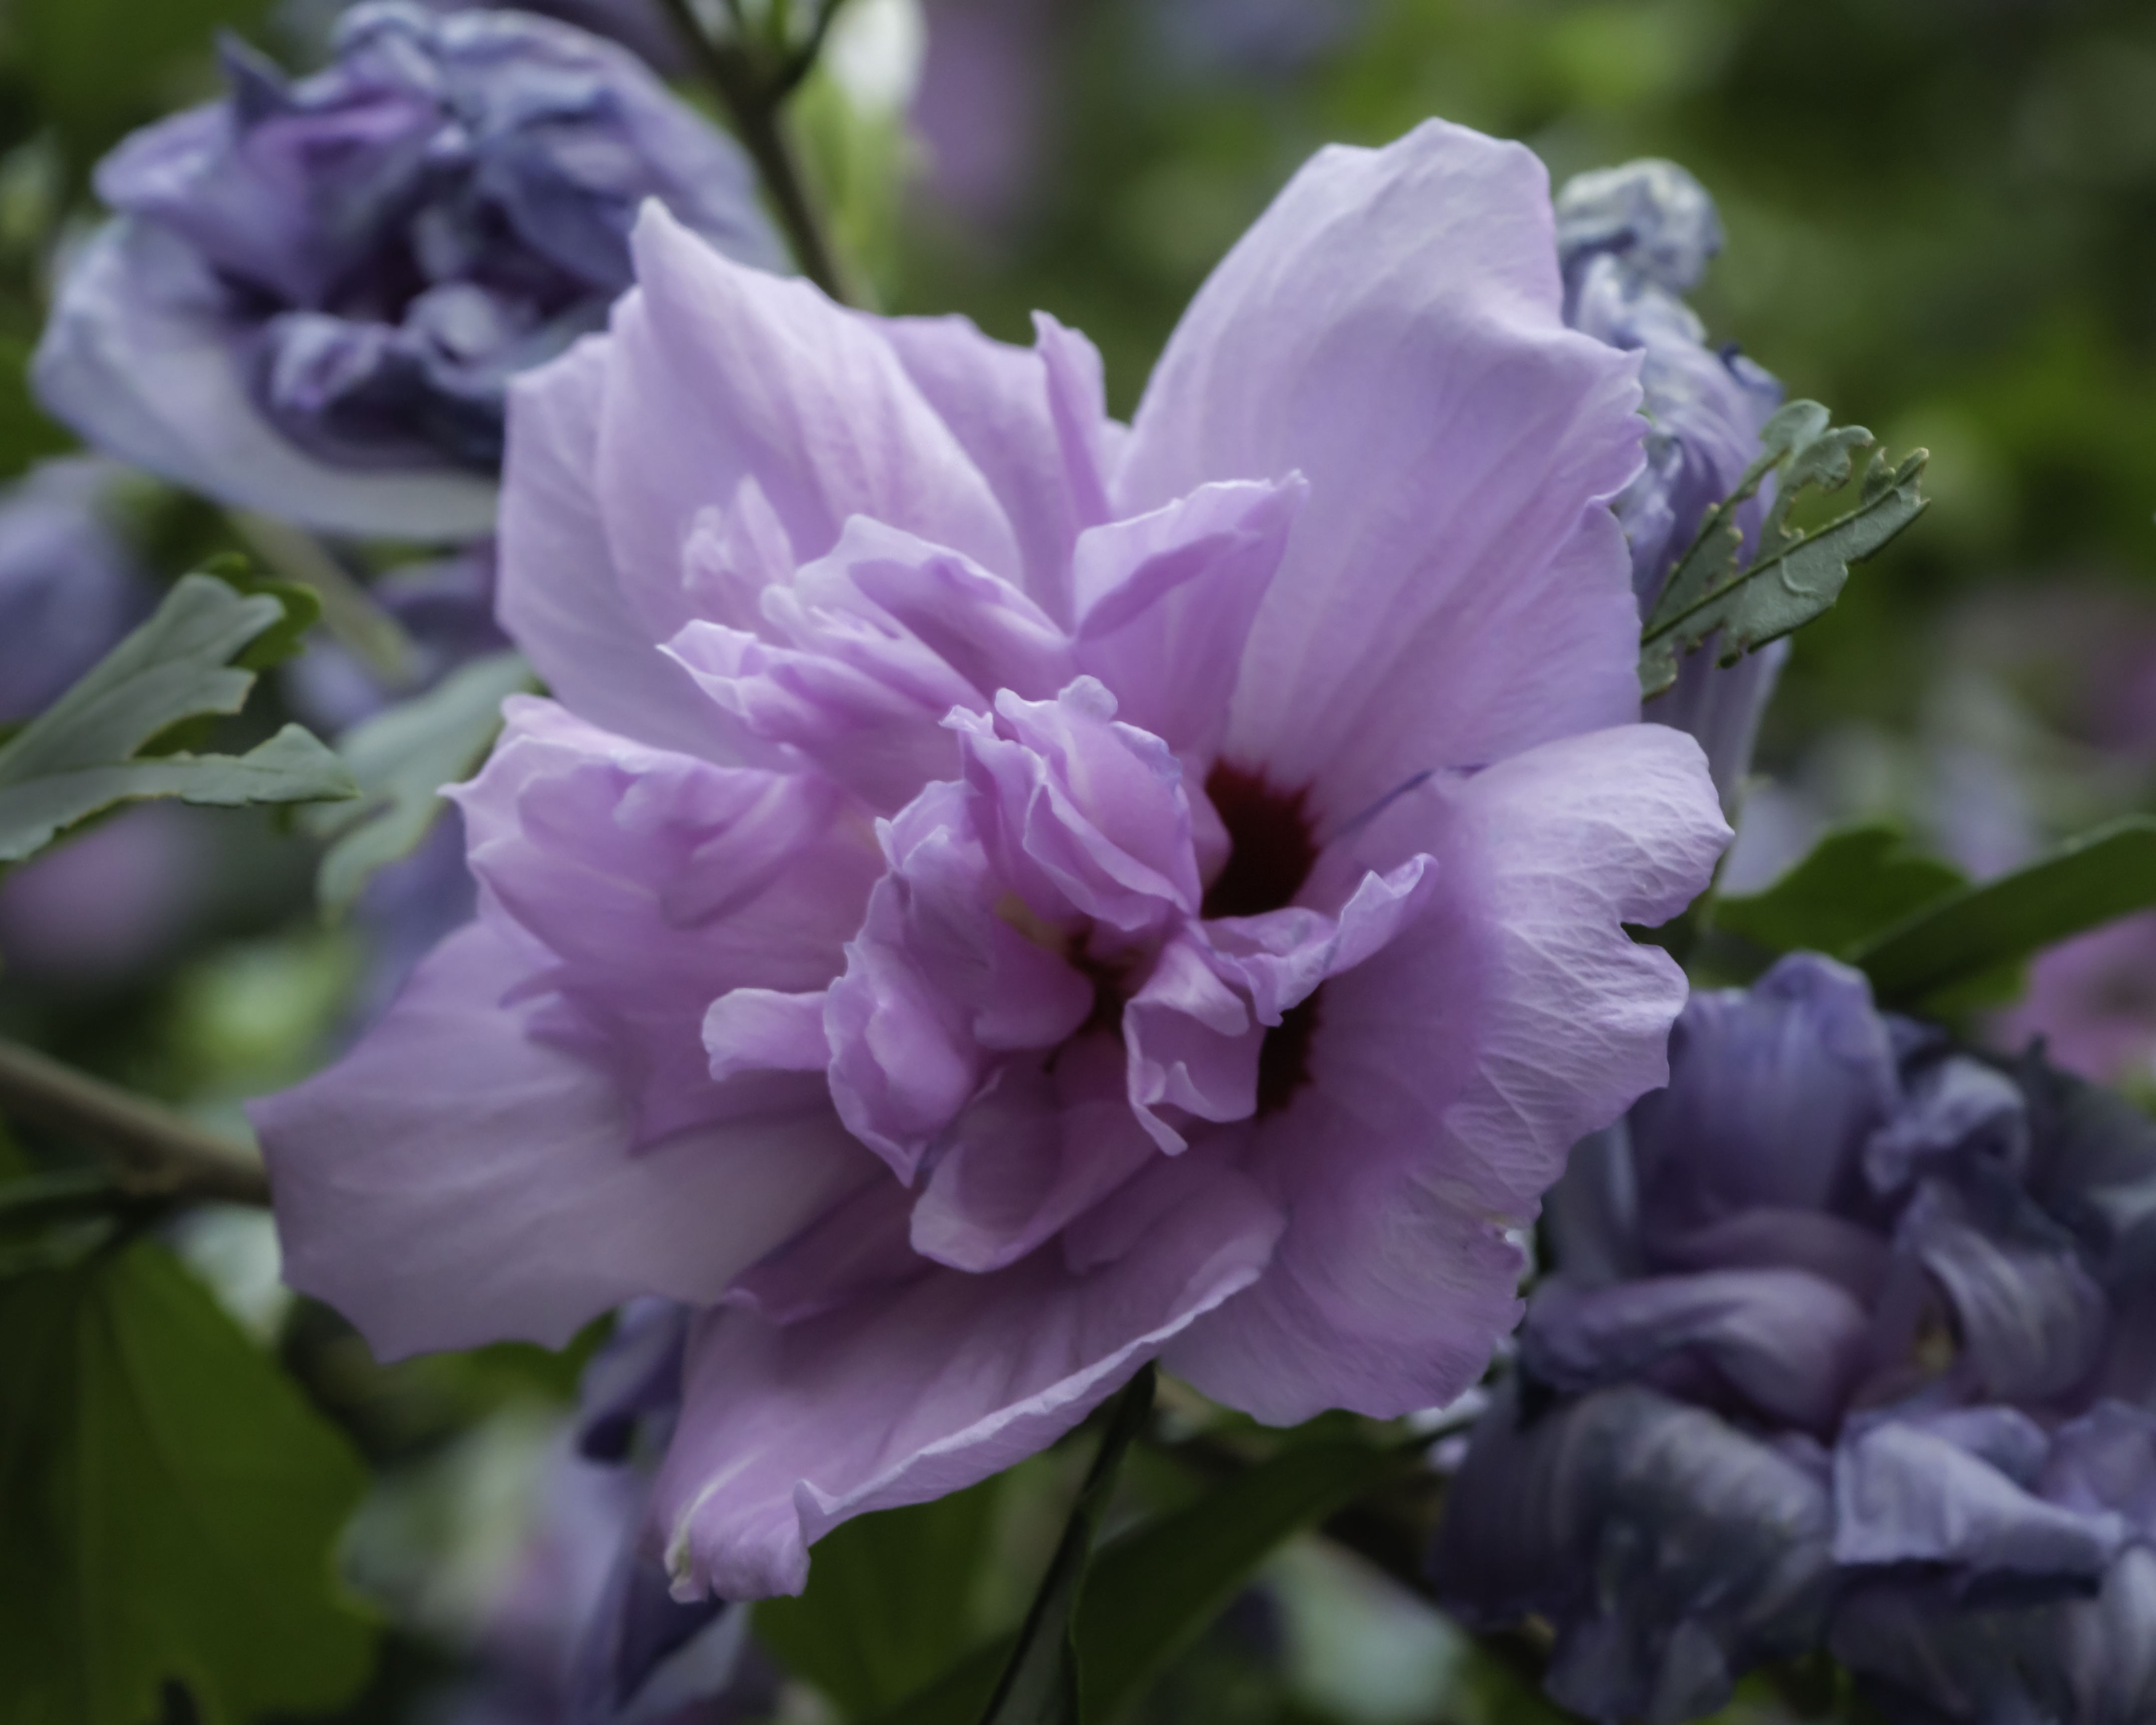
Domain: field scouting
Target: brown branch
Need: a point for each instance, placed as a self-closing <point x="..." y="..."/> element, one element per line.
<point x="754" y="97"/>
<point x="155" y="1152"/>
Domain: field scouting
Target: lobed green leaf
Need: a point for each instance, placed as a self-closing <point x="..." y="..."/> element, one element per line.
<point x="1857" y="880"/>
<point x="400" y="759"/>
<point x="173" y="1502"/>
<point x="79" y="755"/>
<point x="1793" y="577"/>
<point x="1964" y="937"/>
<point x="1152" y="1591"/>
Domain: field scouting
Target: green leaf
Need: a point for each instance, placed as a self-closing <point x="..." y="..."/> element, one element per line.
<point x="285" y="639"/>
<point x="1040" y="1684"/>
<point x="1795" y="576"/>
<point x="400" y="759"/>
<point x="79" y="755"/>
<point x="171" y="1505"/>
<point x="889" y="1603"/>
<point x="1970" y="935"/>
<point x="1857" y="881"/>
<point x="1153" y="1591"/>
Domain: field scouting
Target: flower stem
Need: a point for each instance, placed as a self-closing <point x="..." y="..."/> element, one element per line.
<point x="155" y="1152"/>
<point x="753" y="86"/>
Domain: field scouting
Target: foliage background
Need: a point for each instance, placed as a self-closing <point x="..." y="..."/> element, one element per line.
<point x="1941" y="221"/>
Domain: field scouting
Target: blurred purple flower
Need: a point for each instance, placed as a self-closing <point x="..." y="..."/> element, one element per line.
<point x="102" y="909"/>
<point x="1064" y="893"/>
<point x="316" y="292"/>
<point x="1845" y="1339"/>
<point x="1635" y="239"/>
<point x="1248" y="37"/>
<point x="70" y="587"/>
<point x="2093" y="1001"/>
<point x="116" y="897"/>
<point x="986" y="102"/>
<point x="445" y="609"/>
<point x="643" y="27"/>
<point x="583" y="1630"/>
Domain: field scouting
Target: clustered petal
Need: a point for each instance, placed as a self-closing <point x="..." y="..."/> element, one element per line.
<point x="1839" y="1347"/>
<point x="316" y="291"/>
<point x="998" y="897"/>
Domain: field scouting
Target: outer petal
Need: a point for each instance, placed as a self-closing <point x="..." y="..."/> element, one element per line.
<point x="1450" y="1073"/>
<point x="141" y="359"/>
<point x="455" y="1181"/>
<point x="717" y="373"/>
<point x="1457" y="588"/>
<point x="559" y="595"/>
<point x="919" y="1392"/>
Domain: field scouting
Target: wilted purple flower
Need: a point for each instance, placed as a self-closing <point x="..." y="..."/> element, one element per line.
<point x="1633" y="240"/>
<point x="1065" y="894"/>
<point x="1846" y="1338"/>
<point x="70" y="587"/>
<point x="316" y="291"/>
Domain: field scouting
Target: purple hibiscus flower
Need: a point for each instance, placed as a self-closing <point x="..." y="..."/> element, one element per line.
<point x="999" y="895"/>
<point x="1633" y="240"/>
<point x="316" y="291"/>
<point x="1846" y="1342"/>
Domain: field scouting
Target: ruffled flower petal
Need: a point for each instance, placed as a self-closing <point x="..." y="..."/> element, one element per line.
<point x="926" y="1389"/>
<point x="656" y="881"/>
<point x="718" y="373"/>
<point x="1447" y="1075"/>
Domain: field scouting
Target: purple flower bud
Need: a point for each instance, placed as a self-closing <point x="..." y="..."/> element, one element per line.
<point x="1837" y="1243"/>
<point x="1632" y="240"/>
<point x="317" y="291"/>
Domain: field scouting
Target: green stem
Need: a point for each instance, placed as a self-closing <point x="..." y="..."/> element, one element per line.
<point x="155" y="1152"/>
<point x="754" y="99"/>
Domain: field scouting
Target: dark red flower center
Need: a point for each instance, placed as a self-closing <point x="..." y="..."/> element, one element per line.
<point x="1271" y="855"/>
<point x="1270" y="852"/>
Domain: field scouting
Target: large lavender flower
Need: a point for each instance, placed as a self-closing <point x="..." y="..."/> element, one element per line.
<point x="1847" y="1339"/>
<point x="1063" y="893"/>
<point x="316" y="292"/>
<point x="1633" y="240"/>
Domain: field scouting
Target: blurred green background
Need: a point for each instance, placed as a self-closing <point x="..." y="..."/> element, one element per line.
<point x="1941" y="222"/>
